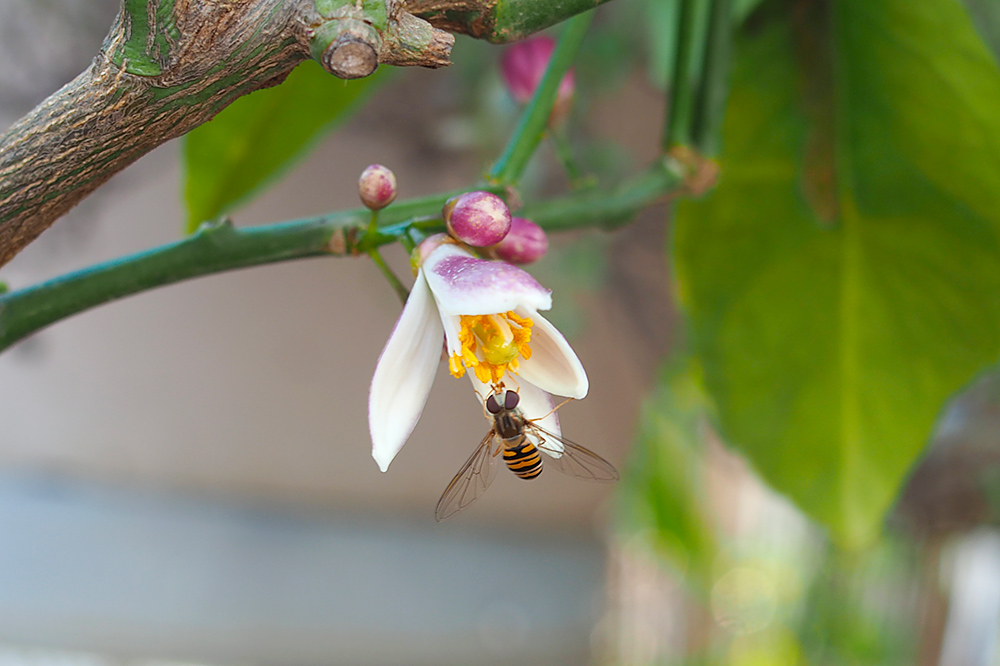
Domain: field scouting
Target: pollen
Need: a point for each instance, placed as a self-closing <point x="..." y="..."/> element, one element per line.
<point x="491" y="345"/>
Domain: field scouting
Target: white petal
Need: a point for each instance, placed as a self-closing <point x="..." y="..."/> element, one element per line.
<point x="404" y="374"/>
<point x="535" y="404"/>
<point x="463" y="284"/>
<point x="553" y="366"/>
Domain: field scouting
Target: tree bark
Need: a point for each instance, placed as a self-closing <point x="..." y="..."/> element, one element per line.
<point x="135" y="97"/>
<point x="107" y="117"/>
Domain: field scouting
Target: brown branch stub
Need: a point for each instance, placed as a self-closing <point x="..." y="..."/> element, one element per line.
<point x="353" y="54"/>
<point x="470" y="17"/>
<point x="351" y="40"/>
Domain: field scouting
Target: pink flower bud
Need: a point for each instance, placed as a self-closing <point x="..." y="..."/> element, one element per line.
<point x="377" y="187"/>
<point x="524" y="243"/>
<point x="523" y="64"/>
<point x="478" y="219"/>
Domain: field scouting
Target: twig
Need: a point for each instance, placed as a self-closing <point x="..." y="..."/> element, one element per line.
<point x="221" y="247"/>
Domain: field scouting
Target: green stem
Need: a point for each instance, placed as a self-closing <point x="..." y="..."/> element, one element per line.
<point x="373" y="223"/>
<point x="396" y="283"/>
<point x="710" y="105"/>
<point x="608" y="210"/>
<point x="677" y="126"/>
<point x="408" y="242"/>
<point x="222" y="247"/>
<point x="534" y="120"/>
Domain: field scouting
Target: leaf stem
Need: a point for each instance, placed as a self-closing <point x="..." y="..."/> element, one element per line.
<point x="534" y="120"/>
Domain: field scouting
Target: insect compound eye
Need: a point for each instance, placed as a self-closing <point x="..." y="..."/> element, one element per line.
<point x="492" y="406"/>
<point x="510" y="400"/>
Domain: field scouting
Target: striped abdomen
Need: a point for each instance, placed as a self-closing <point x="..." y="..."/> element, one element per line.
<point x="523" y="459"/>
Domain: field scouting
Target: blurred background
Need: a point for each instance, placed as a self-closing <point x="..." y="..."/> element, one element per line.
<point x="185" y="475"/>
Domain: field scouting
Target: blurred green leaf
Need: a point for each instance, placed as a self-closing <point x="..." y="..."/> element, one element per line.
<point x="743" y="8"/>
<point x="844" y="280"/>
<point x="843" y="622"/>
<point x="259" y="136"/>
<point x="663" y="492"/>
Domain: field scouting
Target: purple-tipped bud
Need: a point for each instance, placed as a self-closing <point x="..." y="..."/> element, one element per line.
<point x="524" y="243"/>
<point x="478" y="219"/>
<point x="377" y="187"/>
<point x="523" y="64"/>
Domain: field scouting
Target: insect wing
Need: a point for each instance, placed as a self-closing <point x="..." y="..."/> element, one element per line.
<point x="472" y="480"/>
<point x="574" y="460"/>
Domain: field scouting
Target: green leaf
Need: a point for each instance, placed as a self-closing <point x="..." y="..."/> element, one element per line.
<point x="844" y="280"/>
<point x="250" y="143"/>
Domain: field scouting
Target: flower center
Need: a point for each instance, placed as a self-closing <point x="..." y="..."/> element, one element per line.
<point x="491" y="345"/>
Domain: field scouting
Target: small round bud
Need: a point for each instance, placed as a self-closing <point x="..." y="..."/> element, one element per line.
<point x="523" y="65"/>
<point x="478" y="219"/>
<point x="524" y="243"/>
<point x="377" y="187"/>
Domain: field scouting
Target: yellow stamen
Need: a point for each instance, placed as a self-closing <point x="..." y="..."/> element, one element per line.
<point x="491" y="345"/>
<point x="483" y="373"/>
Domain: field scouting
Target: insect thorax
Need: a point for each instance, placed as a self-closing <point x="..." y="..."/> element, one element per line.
<point x="509" y="424"/>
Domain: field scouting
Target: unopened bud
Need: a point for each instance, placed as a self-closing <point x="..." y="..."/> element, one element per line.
<point x="523" y="65"/>
<point x="478" y="219"/>
<point x="377" y="187"/>
<point x="524" y="243"/>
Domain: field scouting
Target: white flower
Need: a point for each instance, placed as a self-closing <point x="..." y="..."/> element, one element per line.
<point x="486" y="313"/>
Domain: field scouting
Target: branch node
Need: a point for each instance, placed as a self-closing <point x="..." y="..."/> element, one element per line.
<point x="700" y="173"/>
<point x="352" y="50"/>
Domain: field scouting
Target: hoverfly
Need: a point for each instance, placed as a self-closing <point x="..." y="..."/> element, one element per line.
<point x="520" y="440"/>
